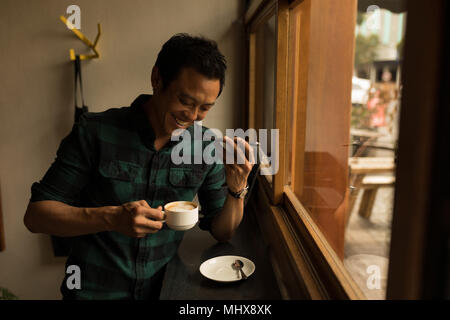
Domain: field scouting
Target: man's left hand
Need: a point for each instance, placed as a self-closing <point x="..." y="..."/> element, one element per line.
<point x="237" y="170"/>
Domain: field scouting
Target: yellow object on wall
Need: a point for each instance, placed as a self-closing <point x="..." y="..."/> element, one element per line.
<point x="83" y="38"/>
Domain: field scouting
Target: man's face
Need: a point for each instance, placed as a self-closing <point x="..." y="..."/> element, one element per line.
<point x="188" y="98"/>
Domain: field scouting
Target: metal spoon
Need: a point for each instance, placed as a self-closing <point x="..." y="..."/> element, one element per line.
<point x="238" y="264"/>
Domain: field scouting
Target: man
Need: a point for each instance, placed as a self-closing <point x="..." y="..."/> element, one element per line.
<point x="113" y="173"/>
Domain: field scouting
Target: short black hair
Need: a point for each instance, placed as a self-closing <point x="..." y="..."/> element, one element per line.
<point x="184" y="51"/>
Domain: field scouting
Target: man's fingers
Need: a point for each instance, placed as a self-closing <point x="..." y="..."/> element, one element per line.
<point x="144" y="203"/>
<point x="138" y="219"/>
<point x="149" y="213"/>
<point x="246" y="149"/>
<point x="239" y="169"/>
<point x="145" y="225"/>
<point x="250" y="153"/>
<point x="229" y="154"/>
<point x="154" y="214"/>
<point x="151" y="226"/>
<point x="238" y="151"/>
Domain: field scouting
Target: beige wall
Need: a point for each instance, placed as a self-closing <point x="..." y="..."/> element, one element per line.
<point x="36" y="97"/>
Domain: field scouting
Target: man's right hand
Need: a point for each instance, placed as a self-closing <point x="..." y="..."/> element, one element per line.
<point x="137" y="219"/>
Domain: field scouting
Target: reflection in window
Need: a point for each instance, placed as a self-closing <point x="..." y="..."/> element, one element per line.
<point x="376" y="88"/>
<point x="264" y="79"/>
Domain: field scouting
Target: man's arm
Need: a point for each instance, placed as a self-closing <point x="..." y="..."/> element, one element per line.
<point x="228" y="219"/>
<point x="134" y="219"/>
<point x="59" y="219"/>
<point x="54" y="205"/>
<point x="225" y="223"/>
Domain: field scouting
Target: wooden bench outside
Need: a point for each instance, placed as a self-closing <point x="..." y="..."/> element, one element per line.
<point x="369" y="174"/>
<point x="370" y="185"/>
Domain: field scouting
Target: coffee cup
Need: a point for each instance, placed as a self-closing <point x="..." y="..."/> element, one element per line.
<point x="180" y="215"/>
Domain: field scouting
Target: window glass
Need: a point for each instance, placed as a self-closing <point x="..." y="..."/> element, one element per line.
<point x="347" y="186"/>
<point x="373" y="139"/>
<point x="264" y="78"/>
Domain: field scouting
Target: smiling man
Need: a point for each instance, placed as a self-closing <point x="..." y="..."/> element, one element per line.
<point x="113" y="174"/>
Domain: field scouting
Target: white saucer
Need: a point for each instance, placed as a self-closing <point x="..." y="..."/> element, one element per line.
<point x="221" y="269"/>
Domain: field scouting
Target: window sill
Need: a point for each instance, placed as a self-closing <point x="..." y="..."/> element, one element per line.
<point x="307" y="266"/>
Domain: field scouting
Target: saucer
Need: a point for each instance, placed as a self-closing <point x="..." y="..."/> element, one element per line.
<point x="221" y="268"/>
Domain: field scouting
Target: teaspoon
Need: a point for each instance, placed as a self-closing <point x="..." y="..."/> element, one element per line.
<point x="238" y="264"/>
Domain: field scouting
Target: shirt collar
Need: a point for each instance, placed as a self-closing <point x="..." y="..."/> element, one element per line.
<point x="141" y="122"/>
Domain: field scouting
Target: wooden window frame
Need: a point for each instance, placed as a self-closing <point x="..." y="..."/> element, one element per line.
<point x="261" y="14"/>
<point x="305" y="264"/>
<point x="418" y="266"/>
<point x="2" y="229"/>
<point x="312" y="279"/>
<point x="272" y="184"/>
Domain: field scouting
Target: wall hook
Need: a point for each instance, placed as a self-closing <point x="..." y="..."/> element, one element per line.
<point x="84" y="39"/>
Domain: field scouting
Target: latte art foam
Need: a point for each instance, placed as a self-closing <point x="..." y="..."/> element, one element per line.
<point x="181" y="207"/>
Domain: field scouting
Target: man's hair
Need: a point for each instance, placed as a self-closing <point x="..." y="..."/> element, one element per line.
<point x="185" y="51"/>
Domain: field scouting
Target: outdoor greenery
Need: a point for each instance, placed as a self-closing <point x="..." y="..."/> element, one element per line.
<point x="366" y="49"/>
<point x="365" y="53"/>
<point x="360" y="17"/>
<point x="360" y="117"/>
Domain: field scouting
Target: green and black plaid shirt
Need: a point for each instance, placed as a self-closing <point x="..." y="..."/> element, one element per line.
<point x="109" y="159"/>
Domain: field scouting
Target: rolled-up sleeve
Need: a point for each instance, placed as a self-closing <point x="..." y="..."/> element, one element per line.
<point x="212" y="195"/>
<point x="72" y="168"/>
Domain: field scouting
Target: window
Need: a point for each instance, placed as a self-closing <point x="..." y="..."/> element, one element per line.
<point x="373" y="141"/>
<point x="313" y="73"/>
<point x="320" y="101"/>
<point x="336" y="102"/>
<point x="262" y="81"/>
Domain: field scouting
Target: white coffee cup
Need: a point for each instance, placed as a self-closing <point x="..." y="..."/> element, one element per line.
<point x="180" y="215"/>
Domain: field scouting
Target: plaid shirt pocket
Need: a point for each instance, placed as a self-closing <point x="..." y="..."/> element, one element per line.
<point x="118" y="180"/>
<point x="184" y="182"/>
<point x="185" y="177"/>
